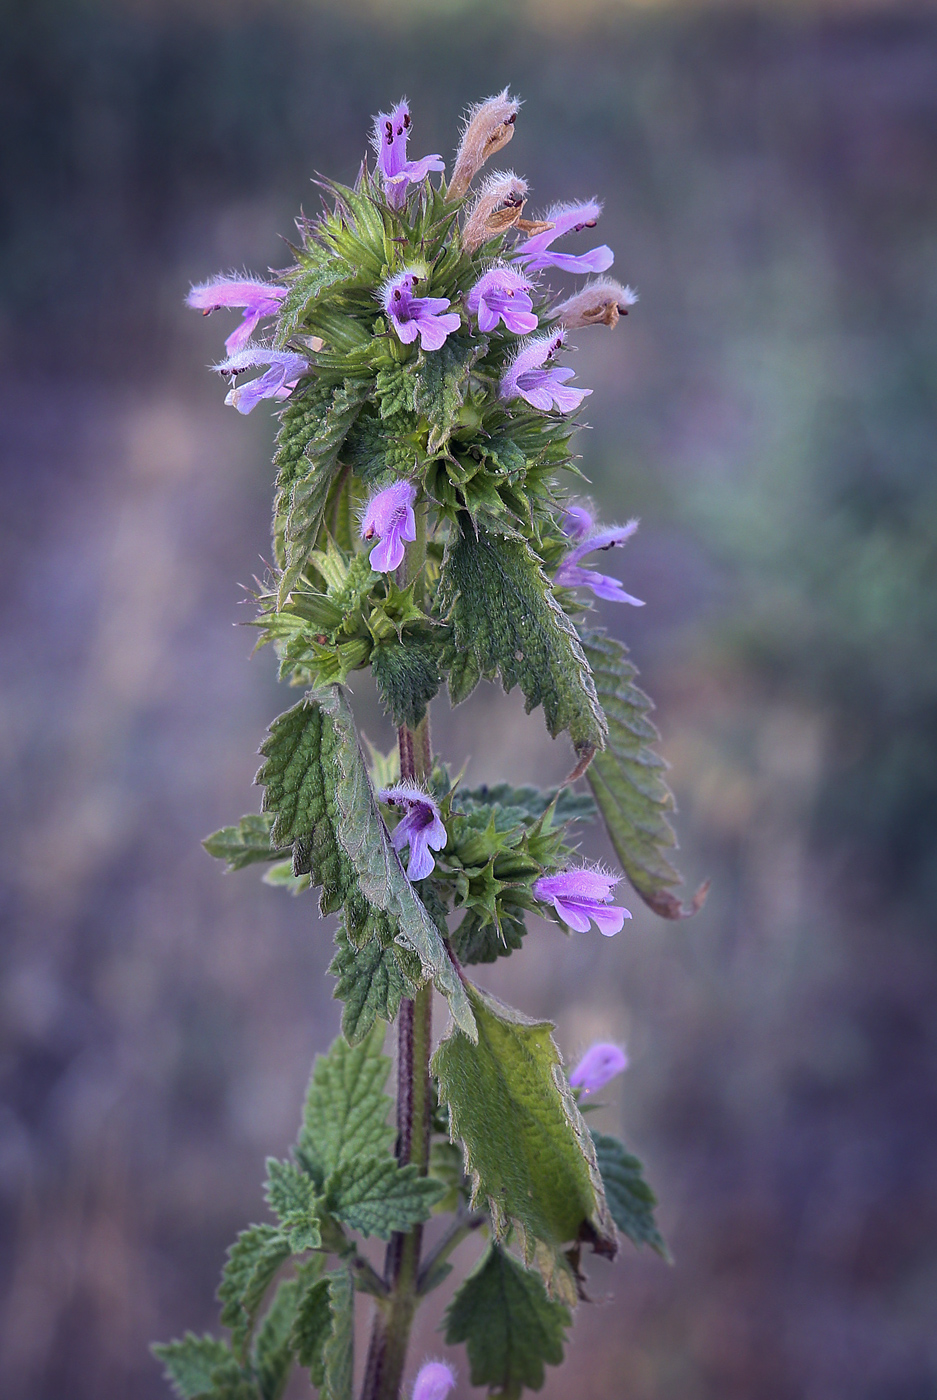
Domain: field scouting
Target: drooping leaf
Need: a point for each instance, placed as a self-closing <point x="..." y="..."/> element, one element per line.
<point x="630" y="1200"/>
<point x="253" y="1260"/>
<point x="338" y="1353"/>
<point x="627" y="781"/>
<point x="407" y="676"/>
<point x="345" y="1114"/>
<point x="273" y="1353"/>
<point x="292" y="1197"/>
<point x="510" y="1327"/>
<point x="526" y="1146"/>
<point x="440" y="385"/>
<point x="245" y="843"/>
<point x="375" y="1196"/>
<point x="189" y="1363"/>
<point x="506" y="621"/>
<point x="371" y="983"/>
<point x="313" y="1319"/>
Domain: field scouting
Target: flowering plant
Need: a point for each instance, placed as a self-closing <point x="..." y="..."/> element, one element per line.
<point x="422" y="528"/>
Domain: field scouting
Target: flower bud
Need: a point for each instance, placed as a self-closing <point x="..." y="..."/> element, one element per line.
<point x="434" y="1381"/>
<point x="600" y="303"/>
<point x="488" y="127"/>
<point x="598" y="1065"/>
<point x="498" y="207"/>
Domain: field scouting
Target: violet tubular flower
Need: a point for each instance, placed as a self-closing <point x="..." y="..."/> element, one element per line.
<point x="599" y="1064"/>
<point x="502" y="294"/>
<point x="413" y="316"/>
<point x="389" y="515"/>
<point x="581" y="896"/>
<point x="285" y="368"/>
<point x="389" y="139"/>
<point x="258" y="299"/>
<point x="538" y="252"/>
<point x="420" y="828"/>
<point x="529" y="376"/>
<point x="578" y="526"/>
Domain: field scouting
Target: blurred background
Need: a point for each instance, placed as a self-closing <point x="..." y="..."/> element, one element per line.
<point x="768" y="409"/>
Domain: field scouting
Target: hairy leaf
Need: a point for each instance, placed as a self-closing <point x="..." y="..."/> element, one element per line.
<point x="506" y="621"/>
<point x="628" y="784"/>
<point x="510" y="1327"/>
<point x="375" y="1196"/>
<point x="407" y="676"/>
<point x="245" y="843"/>
<point x="441" y="381"/>
<point x="345" y="1114"/>
<point x="478" y="939"/>
<point x="338" y="1353"/>
<point x="526" y="1146"/>
<point x="371" y="983"/>
<point x="530" y="802"/>
<point x="273" y="1353"/>
<point x="189" y="1363"/>
<point x="292" y="1197"/>
<point x="253" y="1261"/>
<point x="313" y="1320"/>
<point x="630" y="1200"/>
<point x="317" y="786"/>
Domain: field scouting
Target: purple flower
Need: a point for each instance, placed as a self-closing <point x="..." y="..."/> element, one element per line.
<point x="389" y="515"/>
<point x="259" y="299"/>
<point x="285" y="369"/>
<point x="417" y="316"/>
<point x="599" y="1064"/>
<point x="581" y="895"/>
<point x="578" y="526"/>
<point x="503" y="294"/>
<point x="544" y="388"/>
<point x="434" y="1381"/>
<point x="389" y="139"/>
<point x="420" y="827"/>
<point x="566" y="218"/>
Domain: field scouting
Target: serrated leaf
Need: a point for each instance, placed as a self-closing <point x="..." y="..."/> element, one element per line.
<point x="479" y="939"/>
<point x="407" y="676"/>
<point x="371" y="982"/>
<point x="245" y="843"/>
<point x="376" y="1196"/>
<point x="311" y="436"/>
<point x="315" y="275"/>
<point x="345" y="1114"/>
<point x="526" y="1145"/>
<point x="338" y="1353"/>
<point x="510" y="1327"/>
<point x="628" y="784"/>
<point x="230" y="1381"/>
<point x="441" y="381"/>
<point x="317" y="786"/>
<point x="291" y="1196"/>
<point x="312" y="1325"/>
<point x="273" y="1353"/>
<point x="253" y="1260"/>
<point x="630" y="1199"/>
<point x="506" y="621"/>
<point x="531" y="802"/>
<point x="189" y="1363"/>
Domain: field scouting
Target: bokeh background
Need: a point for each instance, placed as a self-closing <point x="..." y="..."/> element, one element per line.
<point x="768" y="409"/>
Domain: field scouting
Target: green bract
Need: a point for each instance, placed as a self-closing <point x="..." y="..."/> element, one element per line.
<point x="419" y="527"/>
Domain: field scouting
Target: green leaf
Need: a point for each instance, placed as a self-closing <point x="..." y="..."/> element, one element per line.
<point x="506" y="620"/>
<point x="630" y="1200"/>
<point x="479" y="939"/>
<point x="530" y="802"/>
<point x="314" y="276"/>
<point x="310" y="439"/>
<point x="510" y="1327"/>
<point x="273" y="1353"/>
<point x="245" y="843"/>
<point x="253" y="1260"/>
<point x="371" y="983"/>
<point x="526" y="1146"/>
<point x="345" y="1114"/>
<point x="628" y="784"/>
<point x="375" y="1196"/>
<point x="407" y="676"/>
<point x="292" y="1197"/>
<point x="230" y="1381"/>
<point x="317" y="786"/>
<point x="338" y="1353"/>
<point x="190" y="1362"/>
<point x="312" y="1323"/>
<point x="441" y="381"/>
